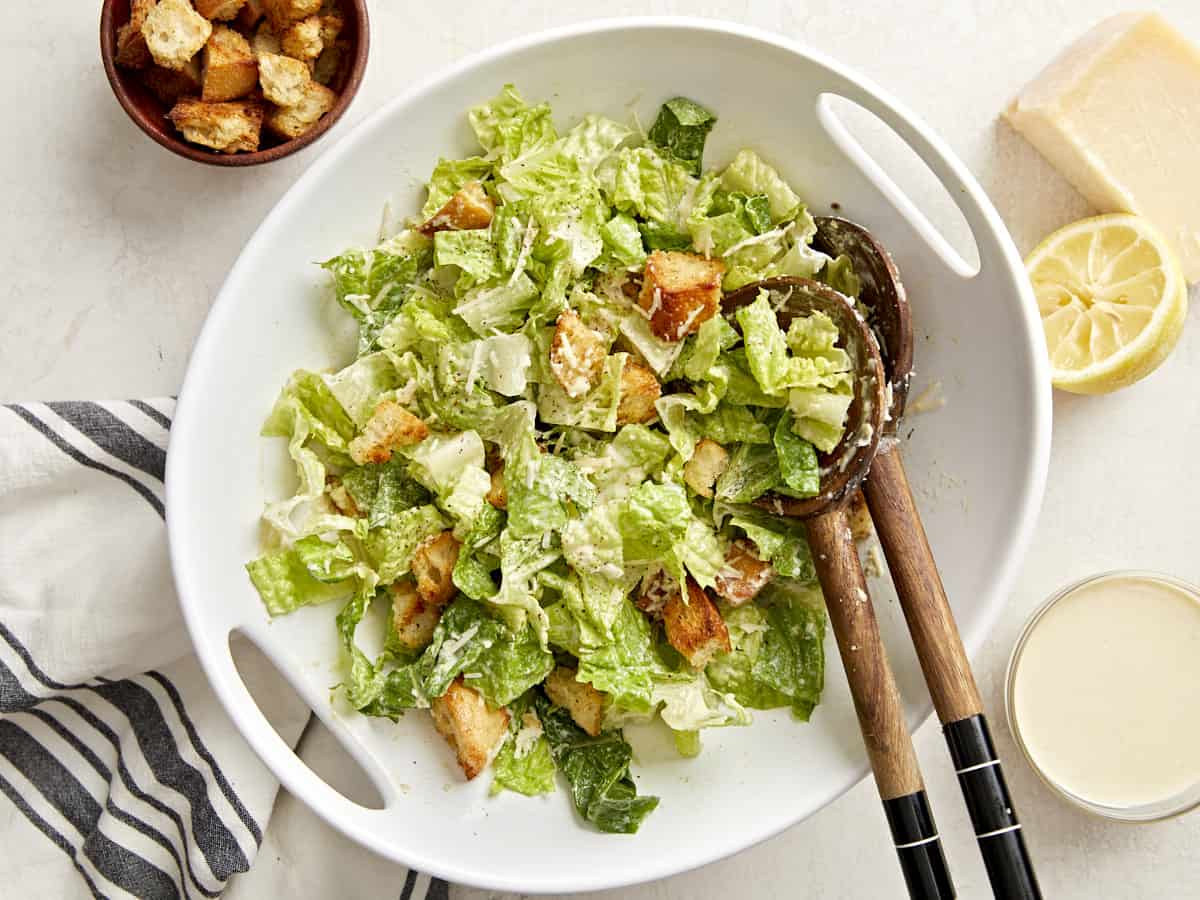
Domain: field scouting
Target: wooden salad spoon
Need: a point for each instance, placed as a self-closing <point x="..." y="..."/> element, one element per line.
<point x="918" y="584"/>
<point x="835" y="557"/>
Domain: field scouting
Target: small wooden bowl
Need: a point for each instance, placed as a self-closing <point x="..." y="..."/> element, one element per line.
<point x="150" y="113"/>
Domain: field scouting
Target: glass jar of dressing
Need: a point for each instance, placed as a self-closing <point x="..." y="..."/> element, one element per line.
<point x="1103" y="695"/>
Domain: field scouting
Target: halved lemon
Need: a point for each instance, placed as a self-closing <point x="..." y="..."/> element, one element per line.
<point x="1112" y="298"/>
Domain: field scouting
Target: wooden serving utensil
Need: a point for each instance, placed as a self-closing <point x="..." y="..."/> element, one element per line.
<point x="918" y="584"/>
<point x="872" y="684"/>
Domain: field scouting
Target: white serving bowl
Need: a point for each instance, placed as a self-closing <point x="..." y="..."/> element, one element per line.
<point x="978" y="465"/>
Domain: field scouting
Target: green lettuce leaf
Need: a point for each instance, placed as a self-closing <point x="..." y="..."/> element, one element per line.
<point x="309" y="572"/>
<point x="783" y="542"/>
<point x="597" y="769"/>
<point x="449" y="177"/>
<point x="778" y="657"/>
<point x="753" y="470"/>
<point x="372" y="285"/>
<point x="524" y="763"/>
<point x="390" y="547"/>
<point x="507" y="127"/>
<point x="748" y="174"/>
<point x="798" y="466"/>
<point x="680" y="131"/>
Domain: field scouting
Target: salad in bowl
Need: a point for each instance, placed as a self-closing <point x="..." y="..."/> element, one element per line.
<point x="550" y="459"/>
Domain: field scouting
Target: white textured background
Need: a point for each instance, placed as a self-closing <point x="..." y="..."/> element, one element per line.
<point x="111" y="250"/>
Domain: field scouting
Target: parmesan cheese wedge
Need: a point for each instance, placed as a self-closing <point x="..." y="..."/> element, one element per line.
<point x="1118" y="114"/>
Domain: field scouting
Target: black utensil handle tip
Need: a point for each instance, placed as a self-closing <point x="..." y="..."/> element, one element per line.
<point x="919" y="847"/>
<point x="997" y="829"/>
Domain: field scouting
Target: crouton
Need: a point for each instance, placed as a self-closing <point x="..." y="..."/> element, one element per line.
<point x="228" y="127"/>
<point x="283" y="13"/>
<point x="175" y="32"/>
<point x="580" y="699"/>
<point x="680" y="292"/>
<point x="708" y="463"/>
<point x="169" y="85"/>
<point x="390" y="426"/>
<point x="498" y="494"/>
<point x="250" y="14"/>
<point x="284" y="80"/>
<point x="743" y="575"/>
<point x="265" y="40"/>
<point x="413" y="619"/>
<point x="462" y="717"/>
<point x="467" y="210"/>
<point x="293" y="121"/>
<point x="861" y="526"/>
<point x="132" y="52"/>
<point x="694" y="627"/>
<point x="432" y="567"/>
<point x="577" y="354"/>
<point x="331" y="27"/>
<point x="341" y="499"/>
<point x="654" y="592"/>
<point x="219" y="10"/>
<point x="639" y="391"/>
<point x="230" y="70"/>
<point x="302" y="40"/>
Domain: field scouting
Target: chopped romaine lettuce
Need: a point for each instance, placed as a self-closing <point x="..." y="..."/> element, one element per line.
<point x="570" y="528"/>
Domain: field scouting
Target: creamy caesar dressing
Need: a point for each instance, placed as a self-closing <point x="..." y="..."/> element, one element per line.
<point x="1106" y="690"/>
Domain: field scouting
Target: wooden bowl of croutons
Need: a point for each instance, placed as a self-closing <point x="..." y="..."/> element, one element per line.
<point x="234" y="82"/>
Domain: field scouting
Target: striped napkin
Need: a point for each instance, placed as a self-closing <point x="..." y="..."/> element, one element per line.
<point x="121" y="774"/>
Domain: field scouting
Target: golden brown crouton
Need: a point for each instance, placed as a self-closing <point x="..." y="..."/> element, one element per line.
<point x="283" y="13"/>
<point x="219" y="10"/>
<point x="175" y="32"/>
<point x="680" y="291"/>
<point x="498" y="495"/>
<point x="577" y="354"/>
<point x="265" y="40"/>
<point x="331" y="27"/>
<point x="861" y="526"/>
<point x="695" y="627"/>
<point x="230" y="70"/>
<point x="302" y="40"/>
<point x="293" y="121"/>
<point x="467" y="210"/>
<point x="390" y="426"/>
<point x="462" y="717"/>
<point x="168" y="85"/>
<point x="284" y="80"/>
<point x="708" y="463"/>
<point x="228" y="127"/>
<point x="132" y="52"/>
<point x="743" y="575"/>
<point x="433" y="568"/>
<point x="639" y="391"/>
<point x="249" y="15"/>
<point x="580" y="699"/>
<point x="413" y="619"/>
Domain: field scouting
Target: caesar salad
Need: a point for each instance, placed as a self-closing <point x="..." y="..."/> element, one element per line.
<point x="545" y="458"/>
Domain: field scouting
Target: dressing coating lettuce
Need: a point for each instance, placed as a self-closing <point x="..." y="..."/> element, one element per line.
<point x="532" y="521"/>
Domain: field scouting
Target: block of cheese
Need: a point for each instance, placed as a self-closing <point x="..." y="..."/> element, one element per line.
<point x="1118" y="114"/>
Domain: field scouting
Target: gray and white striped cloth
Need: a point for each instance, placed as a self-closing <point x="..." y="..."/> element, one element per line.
<point x="121" y="775"/>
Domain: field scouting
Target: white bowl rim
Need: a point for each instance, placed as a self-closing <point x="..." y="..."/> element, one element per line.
<point x="1033" y="487"/>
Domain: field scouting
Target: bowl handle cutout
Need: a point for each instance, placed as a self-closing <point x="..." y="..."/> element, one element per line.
<point x="361" y="795"/>
<point x="889" y="149"/>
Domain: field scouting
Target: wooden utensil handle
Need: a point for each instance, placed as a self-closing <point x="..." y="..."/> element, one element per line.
<point x="948" y="675"/>
<point x="919" y="587"/>
<point x="877" y="703"/>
